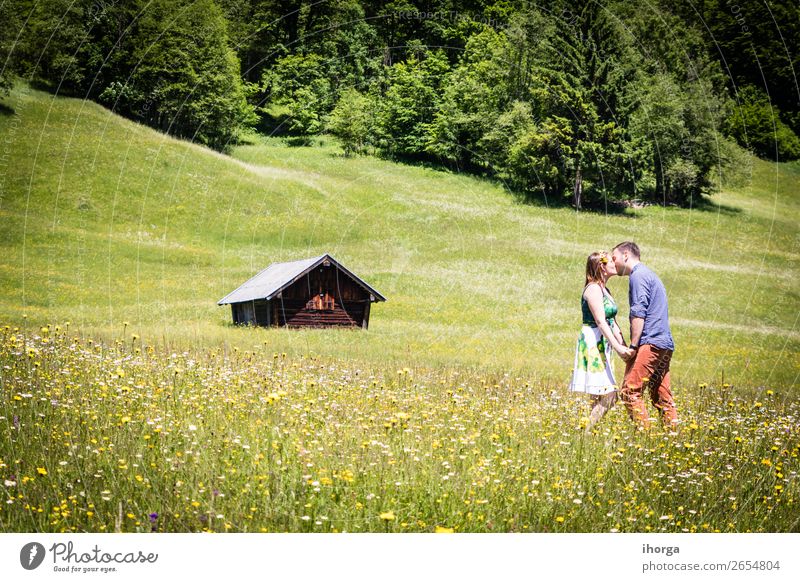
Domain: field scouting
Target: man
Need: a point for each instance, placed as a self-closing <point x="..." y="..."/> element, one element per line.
<point x="651" y="340"/>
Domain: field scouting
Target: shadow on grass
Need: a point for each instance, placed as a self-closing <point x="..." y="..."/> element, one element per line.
<point x="6" y="110"/>
<point x="300" y="141"/>
<point x="522" y="197"/>
<point x="605" y="207"/>
<point x="601" y="207"/>
<point x="707" y="205"/>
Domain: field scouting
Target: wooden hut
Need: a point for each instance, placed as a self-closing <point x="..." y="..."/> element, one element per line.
<point x="315" y="292"/>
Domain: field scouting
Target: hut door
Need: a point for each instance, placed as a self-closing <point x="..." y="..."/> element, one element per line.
<point x="248" y="313"/>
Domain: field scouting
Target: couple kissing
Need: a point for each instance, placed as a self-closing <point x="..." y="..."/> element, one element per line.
<point x="647" y="356"/>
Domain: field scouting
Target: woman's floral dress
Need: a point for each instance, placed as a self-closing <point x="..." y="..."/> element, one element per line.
<point x="593" y="372"/>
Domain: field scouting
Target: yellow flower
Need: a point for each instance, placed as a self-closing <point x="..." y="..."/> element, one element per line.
<point x="560" y="519"/>
<point x="41" y="470"/>
<point x="440" y="529"/>
<point x="387" y="516"/>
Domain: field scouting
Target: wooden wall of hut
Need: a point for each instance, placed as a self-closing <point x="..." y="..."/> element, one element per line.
<point x="252" y="313"/>
<point x="295" y="306"/>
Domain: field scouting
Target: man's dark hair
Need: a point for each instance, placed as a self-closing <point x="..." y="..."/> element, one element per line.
<point x="629" y="246"/>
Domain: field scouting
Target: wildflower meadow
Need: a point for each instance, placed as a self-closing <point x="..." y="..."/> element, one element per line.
<point x="122" y="436"/>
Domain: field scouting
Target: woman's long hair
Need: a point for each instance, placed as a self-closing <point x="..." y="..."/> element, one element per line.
<point x="594" y="266"/>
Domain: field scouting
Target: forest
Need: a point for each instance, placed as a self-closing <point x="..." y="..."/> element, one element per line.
<point x="576" y="103"/>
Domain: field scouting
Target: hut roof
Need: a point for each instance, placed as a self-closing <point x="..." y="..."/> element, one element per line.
<point x="275" y="278"/>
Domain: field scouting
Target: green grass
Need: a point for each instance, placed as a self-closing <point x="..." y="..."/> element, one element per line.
<point x="116" y="438"/>
<point x="449" y="411"/>
<point x="105" y="221"/>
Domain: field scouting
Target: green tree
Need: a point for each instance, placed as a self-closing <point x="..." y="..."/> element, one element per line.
<point x="351" y="121"/>
<point x="186" y="79"/>
<point x="474" y="94"/>
<point x="66" y="61"/>
<point x="11" y="15"/>
<point x="301" y="53"/>
<point x="678" y="104"/>
<point x="757" y="125"/>
<point x="407" y="108"/>
<point x="756" y="43"/>
<point x="529" y="155"/>
<point x="298" y="93"/>
<point x="578" y="64"/>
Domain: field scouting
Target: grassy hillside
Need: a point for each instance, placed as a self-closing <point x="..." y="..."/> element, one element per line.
<point x="103" y="221"/>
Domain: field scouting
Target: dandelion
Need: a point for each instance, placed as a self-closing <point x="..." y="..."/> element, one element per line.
<point x="387" y="516"/>
<point x="441" y="529"/>
<point x="42" y="471"/>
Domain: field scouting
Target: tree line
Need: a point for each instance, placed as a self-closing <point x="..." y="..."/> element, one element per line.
<point x="578" y="102"/>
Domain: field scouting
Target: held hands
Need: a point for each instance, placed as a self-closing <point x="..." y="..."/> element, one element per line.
<point x="625" y="352"/>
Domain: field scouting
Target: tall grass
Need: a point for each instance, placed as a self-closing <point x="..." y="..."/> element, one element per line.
<point x="102" y="437"/>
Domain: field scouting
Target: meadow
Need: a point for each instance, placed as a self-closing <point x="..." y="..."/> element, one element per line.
<point x="120" y="438"/>
<point x="130" y="403"/>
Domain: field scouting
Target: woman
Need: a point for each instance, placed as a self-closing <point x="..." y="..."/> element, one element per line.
<point x="593" y="372"/>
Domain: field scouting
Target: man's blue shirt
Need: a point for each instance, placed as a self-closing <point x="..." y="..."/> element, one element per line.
<point x="648" y="300"/>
